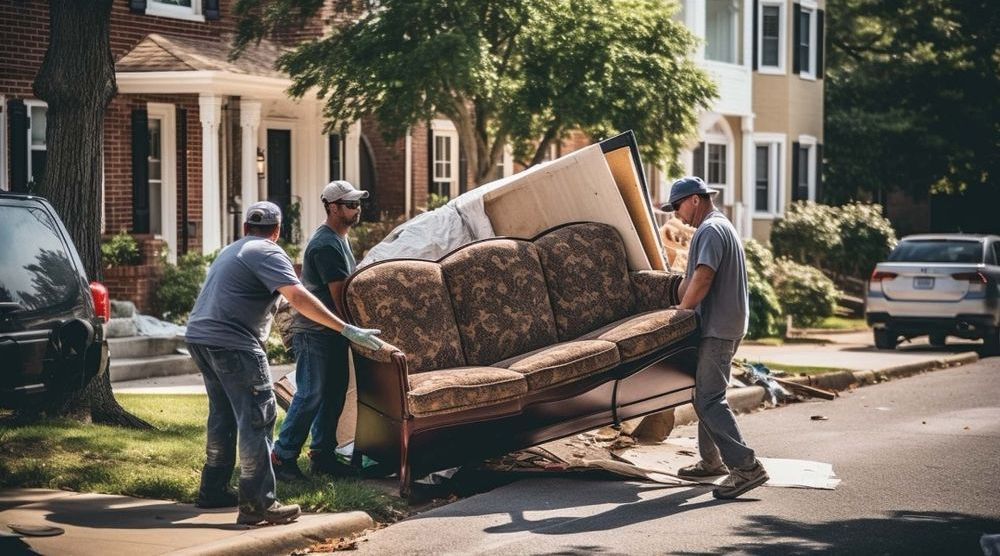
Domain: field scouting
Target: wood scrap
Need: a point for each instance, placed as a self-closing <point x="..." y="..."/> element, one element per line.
<point x="805" y="389"/>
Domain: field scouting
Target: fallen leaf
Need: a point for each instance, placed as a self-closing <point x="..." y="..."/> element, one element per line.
<point x="819" y="418"/>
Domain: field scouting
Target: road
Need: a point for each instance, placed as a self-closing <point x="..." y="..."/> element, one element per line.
<point x="918" y="459"/>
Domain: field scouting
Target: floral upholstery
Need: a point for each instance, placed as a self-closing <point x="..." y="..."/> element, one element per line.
<point x="587" y="274"/>
<point x="458" y="389"/>
<point x="500" y="300"/>
<point x="641" y="334"/>
<point x="409" y="302"/>
<point x="559" y="363"/>
<point x="655" y="289"/>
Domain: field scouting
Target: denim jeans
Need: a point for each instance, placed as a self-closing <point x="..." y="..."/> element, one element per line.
<point x="321" y="379"/>
<point x="241" y="405"/>
<point x="719" y="439"/>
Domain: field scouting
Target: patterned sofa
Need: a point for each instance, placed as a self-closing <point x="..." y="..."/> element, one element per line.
<point x="507" y="343"/>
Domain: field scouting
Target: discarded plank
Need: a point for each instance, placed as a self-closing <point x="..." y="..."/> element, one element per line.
<point x="806" y="389"/>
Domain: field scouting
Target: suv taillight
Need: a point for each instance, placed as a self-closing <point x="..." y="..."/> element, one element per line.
<point x="971" y="277"/>
<point x="102" y="301"/>
<point x="878" y="275"/>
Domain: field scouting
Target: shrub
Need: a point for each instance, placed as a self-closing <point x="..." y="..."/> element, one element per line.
<point x="436" y="201"/>
<point x="120" y="250"/>
<point x="366" y="235"/>
<point x="765" y="310"/>
<point x="866" y="238"/>
<point x="807" y="234"/>
<point x="804" y="292"/>
<point x="180" y="285"/>
<point x="277" y="353"/>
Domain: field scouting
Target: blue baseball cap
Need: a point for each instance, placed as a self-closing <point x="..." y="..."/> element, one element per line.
<point x="686" y="187"/>
<point x="263" y="213"/>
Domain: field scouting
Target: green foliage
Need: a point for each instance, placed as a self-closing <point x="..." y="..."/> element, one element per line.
<point x="845" y="241"/>
<point x="293" y="250"/>
<point x="436" y="201"/>
<point x="506" y="73"/>
<point x="804" y="292"/>
<point x="277" y="353"/>
<point x="366" y="235"/>
<point x="120" y="250"/>
<point x="180" y="285"/>
<point x="765" y="310"/>
<point x="912" y="97"/>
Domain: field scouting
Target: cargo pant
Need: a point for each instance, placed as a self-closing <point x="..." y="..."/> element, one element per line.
<point x="719" y="438"/>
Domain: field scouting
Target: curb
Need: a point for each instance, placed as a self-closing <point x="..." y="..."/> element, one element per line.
<point x="743" y="400"/>
<point x="308" y="530"/>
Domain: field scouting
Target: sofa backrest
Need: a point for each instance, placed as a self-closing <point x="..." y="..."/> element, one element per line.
<point x="500" y="299"/>
<point x="587" y="274"/>
<point x="409" y="302"/>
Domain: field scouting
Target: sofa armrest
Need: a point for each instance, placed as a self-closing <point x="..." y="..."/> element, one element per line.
<point x="382" y="380"/>
<point x="382" y="355"/>
<point x="655" y="289"/>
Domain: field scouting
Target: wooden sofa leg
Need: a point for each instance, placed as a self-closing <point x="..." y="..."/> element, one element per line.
<point x="404" y="463"/>
<point x="616" y="420"/>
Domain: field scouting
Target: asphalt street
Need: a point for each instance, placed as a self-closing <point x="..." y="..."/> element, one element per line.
<point x="918" y="458"/>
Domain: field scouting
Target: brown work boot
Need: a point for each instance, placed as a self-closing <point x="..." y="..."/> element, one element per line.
<point x="740" y="481"/>
<point x="277" y="514"/>
<point x="702" y="470"/>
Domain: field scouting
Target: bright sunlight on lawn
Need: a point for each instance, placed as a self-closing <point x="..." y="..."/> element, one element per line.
<point x="162" y="464"/>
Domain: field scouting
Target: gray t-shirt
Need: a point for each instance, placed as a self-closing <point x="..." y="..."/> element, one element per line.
<point x="236" y="304"/>
<point x="724" y="311"/>
<point x="328" y="258"/>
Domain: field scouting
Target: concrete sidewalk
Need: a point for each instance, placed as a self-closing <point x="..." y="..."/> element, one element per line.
<point x="97" y="524"/>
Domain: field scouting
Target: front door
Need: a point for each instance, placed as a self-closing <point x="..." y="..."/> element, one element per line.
<point x="279" y="173"/>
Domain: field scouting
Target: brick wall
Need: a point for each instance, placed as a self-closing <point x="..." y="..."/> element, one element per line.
<point x="390" y="168"/>
<point x="137" y="283"/>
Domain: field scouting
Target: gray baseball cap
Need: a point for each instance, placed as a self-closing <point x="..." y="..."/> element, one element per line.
<point x="263" y="213"/>
<point x="685" y="187"/>
<point x="341" y="190"/>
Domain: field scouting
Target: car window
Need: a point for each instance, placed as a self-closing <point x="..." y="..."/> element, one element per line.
<point x="937" y="251"/>
<point x="35" y="269"/>
<point x="996" y="252"/>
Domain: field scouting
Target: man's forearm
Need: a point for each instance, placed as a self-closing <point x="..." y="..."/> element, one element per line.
<point x="697" y="288"/>
<point x="312" y="308"/>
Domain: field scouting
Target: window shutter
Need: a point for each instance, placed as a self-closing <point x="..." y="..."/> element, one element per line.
<point x="819" y="44"/>
<point x="819" y="173"/>
<point x="137" y="6"/>
<point x="756" y="34"/>
<point x="796" y="37"/>
<point x="795" y="171"/>
<point x="140" y="171"/>
<point x="210" y="9"/>
<point x="699" y="160"/>
<point x="463" y="169"/>
<point x="430" y="162"/>
<point x="17" y="112"/>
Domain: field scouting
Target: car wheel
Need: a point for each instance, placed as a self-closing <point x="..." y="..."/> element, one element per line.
<point x="938" y="340"/>
<point x="885" y="339"/>
<point x="991" y="342"/>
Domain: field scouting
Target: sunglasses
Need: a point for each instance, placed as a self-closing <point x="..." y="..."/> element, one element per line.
<point x="348" y="204"/>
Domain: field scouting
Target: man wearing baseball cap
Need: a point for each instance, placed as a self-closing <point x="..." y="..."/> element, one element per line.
<point x="321" y="356"/>
<point x="715" y="286"/>
<point x="225" y="335"/>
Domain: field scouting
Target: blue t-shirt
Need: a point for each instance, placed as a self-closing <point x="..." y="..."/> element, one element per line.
<point x="236" y="304"/>
<point x="328" y="258"/>
<point x="724" y="311"/>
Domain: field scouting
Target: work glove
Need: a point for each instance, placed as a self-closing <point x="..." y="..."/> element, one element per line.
<point x="364" y="337"/>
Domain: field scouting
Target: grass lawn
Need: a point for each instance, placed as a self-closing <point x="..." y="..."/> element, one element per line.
<point x="842" y="323"/>
<point x="796" y="369"/>
<point x="163" y="464"/>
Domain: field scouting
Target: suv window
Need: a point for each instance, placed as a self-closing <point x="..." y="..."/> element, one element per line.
<point x="996" y="253"/>
<point x="35" y="268"/>
<point x="937" y="251"/>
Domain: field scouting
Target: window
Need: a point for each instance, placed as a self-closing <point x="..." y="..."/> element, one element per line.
<point x="155" y="159"/>
<point x="723" y="31"/>
<point x="806" y="45"/>
<point x="178" y="9"/>
<point x="444" y="159"/>
<point x="996" y="252"/>
<point x="36" y="268"/>
<point x="804" y="169"/>
<point x="551" y="151"/>
<point x="37" y="149"/>
<point x="937" y="251"/>
<point x="710" y="164"/>
<point x="768" y="174"/>
<point x="336" y="157"/>
<point x="771" y="32"/>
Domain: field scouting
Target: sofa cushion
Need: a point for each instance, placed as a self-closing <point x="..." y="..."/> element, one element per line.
<point x="643" y="333"/>
<point x="500" y="300"/>
<point x="409" y="302"/>
<point x="587" y="274"/>
<point x="458" y="389"/>
<point x="559" y="363"/>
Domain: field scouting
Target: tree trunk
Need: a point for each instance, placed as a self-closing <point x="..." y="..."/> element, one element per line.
<point x="77" y="80"/>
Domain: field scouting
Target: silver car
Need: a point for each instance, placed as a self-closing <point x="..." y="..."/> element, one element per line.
<point x="938" y="285"/>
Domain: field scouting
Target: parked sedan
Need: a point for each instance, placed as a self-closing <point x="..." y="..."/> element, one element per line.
<point x="51" y="319"/>
<point x="938" y="285"/>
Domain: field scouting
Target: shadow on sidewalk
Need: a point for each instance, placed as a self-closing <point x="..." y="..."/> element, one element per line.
<point x="122" y="512"/>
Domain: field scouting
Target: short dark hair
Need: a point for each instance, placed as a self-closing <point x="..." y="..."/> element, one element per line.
<point x="264" y="230"/>
<point x="705" y="196"/>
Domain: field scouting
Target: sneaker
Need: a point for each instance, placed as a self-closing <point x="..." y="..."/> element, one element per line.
<point x="702" y="470"/>
<point x="286" y="470"/>
<point x="330" y="465"/>
<point x="741" y="480"/>
<point x="277" y="514"/>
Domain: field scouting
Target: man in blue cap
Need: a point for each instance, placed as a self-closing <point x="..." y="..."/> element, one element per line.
<point x="715" y="286"/>
<point x="225" y="335"/>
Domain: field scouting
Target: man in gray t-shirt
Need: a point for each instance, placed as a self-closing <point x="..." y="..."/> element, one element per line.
<point x="716" y="287"/>
<point x="225" y="335"/>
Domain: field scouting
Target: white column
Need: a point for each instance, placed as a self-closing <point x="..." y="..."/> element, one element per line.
<point x="749" y="157"/>
<point x="408" y="168"/>
<point x="352" y="154"/>
<point x="249" y="124"/>
<point x="210" y="111"/>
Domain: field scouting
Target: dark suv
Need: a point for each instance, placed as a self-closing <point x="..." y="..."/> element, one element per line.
<point x="51" y="320"/>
